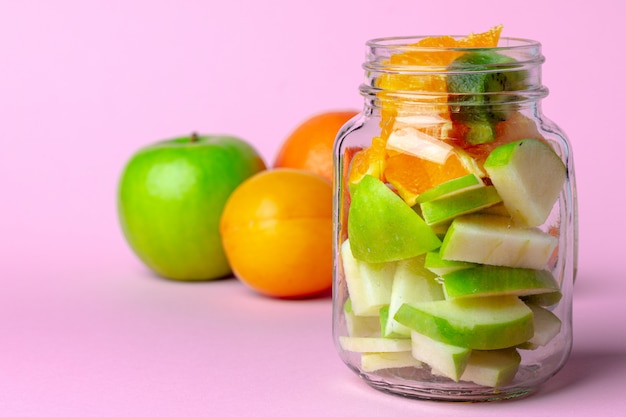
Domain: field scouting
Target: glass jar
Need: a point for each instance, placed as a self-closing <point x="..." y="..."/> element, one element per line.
<point x="455" y="242"/>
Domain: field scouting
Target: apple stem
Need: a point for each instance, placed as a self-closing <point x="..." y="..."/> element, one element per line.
<point x="194" y="137"/>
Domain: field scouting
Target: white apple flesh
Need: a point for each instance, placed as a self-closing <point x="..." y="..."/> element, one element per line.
<point x="444" y="359"/>
<point x="529" y="176"/>
<point x="412" y="282"/>
<point x="374" y="361"/>
<point x="374" y="344"/>
<point x="492" y="368"/>
<point x="369" y="284"/>
<point x="492" y="240"/>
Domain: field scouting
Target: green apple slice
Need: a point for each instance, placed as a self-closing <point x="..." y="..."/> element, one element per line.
<point x="374" y="344"/>
<point x="490" y="239"/>
<point x="374" y="361"/>
<point x="547" y="326"/>
<point x="492" y="368"/>
<point x="383" y="228"/>
<point x="444" y="359"/>
<point x="448" y="187"/>
<point x="446" y="208"/>
<point x="477" y="323"/>
<point x="412" y="282"/>
<point x="489" y="280"/>
<point x="529" y="176"/>
<point x="369" y="285"/>
<point x="545" y="300"/>
<point x="364" y="326"/>
<point x="435" y="264"/>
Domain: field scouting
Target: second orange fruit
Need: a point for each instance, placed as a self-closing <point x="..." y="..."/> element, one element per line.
<point x="310" y="145"/>
<point x="277" y="233"/>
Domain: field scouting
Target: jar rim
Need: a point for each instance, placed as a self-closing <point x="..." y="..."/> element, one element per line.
<point x="408" y="43"/>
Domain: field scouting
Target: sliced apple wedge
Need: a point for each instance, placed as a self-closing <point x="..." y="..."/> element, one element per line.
<point x="412" y="282"/>
<point x="374" y="361"/>
<point x="547" y="326"/>
<point x="444" y="359"/>
<point x="490" y="239"/>
<point x="489" y="280"/>
<point x="529" y="176"/>
<point x="449" y="206"/>
<point x="492" y="368"/>
<point x="462" y="183"/>
<point x="435" y="264"/>
<point x="383" y="228"/>
<point x="374" y="344"/>
<point x="477" y="323"/>
<point x="544" y="300"/>
<point x="369" y="285"/>
<point x="363" y="326"/>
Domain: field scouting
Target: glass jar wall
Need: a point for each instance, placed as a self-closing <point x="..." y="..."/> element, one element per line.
<point x="455" y="224"/>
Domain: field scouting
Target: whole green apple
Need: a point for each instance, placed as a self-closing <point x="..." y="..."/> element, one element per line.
<point x="170" y="199"/>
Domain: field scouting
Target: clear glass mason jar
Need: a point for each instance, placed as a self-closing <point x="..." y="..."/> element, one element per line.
<point x="455" y="242"/>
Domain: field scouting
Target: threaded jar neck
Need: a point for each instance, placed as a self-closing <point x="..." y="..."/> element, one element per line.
<point x="398" y="69"/>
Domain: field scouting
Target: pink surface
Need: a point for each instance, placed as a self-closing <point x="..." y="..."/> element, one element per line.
<point x="86" y="330"/>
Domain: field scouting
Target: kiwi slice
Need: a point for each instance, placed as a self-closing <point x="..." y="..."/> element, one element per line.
<point x="470" y="105"/>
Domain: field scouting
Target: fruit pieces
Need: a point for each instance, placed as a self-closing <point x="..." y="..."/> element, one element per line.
<point x="487" y="280"/>
<point x="411" y="176"/>
<point x="435" y="264"/>
<point x="413" y="142"/>
<point x="412" y="282"/>
<point x="431" y="51"/>
<point x="493" y="368"/>
<point x="490" y="239"/>
<point x="529" y="176"/>
<point x="373" y="361"/>
<point x="368" y="161"/>
<point x="477" y="323"/>
<point x="374" y="344"/>
<point x="369" y="285"/>
<point x="444" y="359"/>
<point x="461" y="183"/>
<point x="362" y="326"/>
<point x="431" y="124"/>
<point x="547" y="325"/>
<point x="474" y="79"/>
<point x="383" y="228"/>
<point x="484" y="314"/>
<point x="446" y="208"/>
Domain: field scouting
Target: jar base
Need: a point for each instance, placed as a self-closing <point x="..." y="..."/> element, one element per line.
<point x="443" y="389"/>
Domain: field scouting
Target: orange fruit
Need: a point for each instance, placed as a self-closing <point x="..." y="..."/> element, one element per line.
<point x="276" y="230"/>
<point x="310" y="145"/>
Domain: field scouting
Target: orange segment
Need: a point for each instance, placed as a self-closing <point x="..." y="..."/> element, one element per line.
<point x="369" y="161"/>
<point x="411" y="175"/>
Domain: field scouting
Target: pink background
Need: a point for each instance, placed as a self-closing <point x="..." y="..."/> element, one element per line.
<point x="87" y="331"/>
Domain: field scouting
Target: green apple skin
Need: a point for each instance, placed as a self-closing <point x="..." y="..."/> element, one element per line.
<point x="170" y="198"/>
<point x="383" y="228"/>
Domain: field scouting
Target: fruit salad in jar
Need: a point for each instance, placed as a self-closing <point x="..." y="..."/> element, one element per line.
<point x="450" y="248"/>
